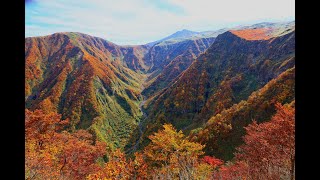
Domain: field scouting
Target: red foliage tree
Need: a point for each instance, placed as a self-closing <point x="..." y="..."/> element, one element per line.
<point x="268" y="151"/>
<point x="214" y="162"/>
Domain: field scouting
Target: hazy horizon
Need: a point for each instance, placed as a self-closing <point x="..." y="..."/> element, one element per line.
<point x="126" y="22"/>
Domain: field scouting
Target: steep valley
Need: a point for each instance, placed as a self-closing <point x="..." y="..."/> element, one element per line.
<point x="123" y="94"/>
<point x="231" y="69"/>
<point x="93" y="82"/>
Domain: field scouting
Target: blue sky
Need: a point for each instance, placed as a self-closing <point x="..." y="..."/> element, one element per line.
<point x="131" y="22"/>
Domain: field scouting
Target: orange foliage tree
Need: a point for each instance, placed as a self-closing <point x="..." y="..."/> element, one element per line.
<point x="172" y="156"/>
<point x="53" y="153"/>
<point x="118" y="167"/>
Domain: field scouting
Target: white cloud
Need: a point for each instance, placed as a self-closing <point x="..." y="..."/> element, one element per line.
<point x="140" y="21"/>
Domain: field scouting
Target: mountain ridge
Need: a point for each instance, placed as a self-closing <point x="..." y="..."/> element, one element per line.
<point x="92" y="81"/>
<point x="100" y="85"/>
<point x="228" y="72"/>
<point x="87" y="80"/>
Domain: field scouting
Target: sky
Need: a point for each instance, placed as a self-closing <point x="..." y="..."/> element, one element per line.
<point x="132" y="22"/>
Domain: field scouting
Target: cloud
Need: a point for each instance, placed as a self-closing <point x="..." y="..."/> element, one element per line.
<point x="142" y="21"/>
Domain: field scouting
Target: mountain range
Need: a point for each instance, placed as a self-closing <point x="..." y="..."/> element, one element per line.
<point x="208" y="84"/>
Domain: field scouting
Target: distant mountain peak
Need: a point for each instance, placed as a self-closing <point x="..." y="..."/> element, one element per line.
<point x="186" y="31"/>
<point x="186" y="34"/>
<point x="183" y="33"/>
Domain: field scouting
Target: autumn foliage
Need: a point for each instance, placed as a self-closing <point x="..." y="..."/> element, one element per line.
<point x="214" y="162"/>
<point x="119" y="167"/>
<point x="253" y="34"/>
<point x="87" y="80"/>
<point x="168" y="156"/>
<point x="208" y="108"/>
<point x="172" y="155"/>
<point x="268" y="152"/>
<point x="53" y="153"/>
